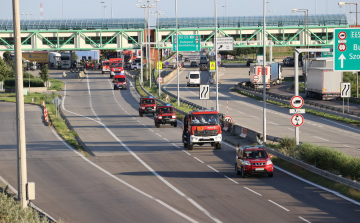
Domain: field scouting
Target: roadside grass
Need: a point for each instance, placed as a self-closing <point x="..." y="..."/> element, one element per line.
<point x="301" y="86"/>
<point x="59" y="123"/>
<point x="56" y="84"/>
<point x="322" y="114"/>
<point x="322" y="181"/>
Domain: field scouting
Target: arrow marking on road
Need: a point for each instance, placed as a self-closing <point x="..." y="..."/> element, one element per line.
<point x="342" y="58"/>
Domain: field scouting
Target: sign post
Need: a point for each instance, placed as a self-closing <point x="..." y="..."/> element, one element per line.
<point x="297" y="120"/>
<point x="345" y="92"/>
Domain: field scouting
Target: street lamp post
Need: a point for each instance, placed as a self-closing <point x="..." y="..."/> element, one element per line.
<point x="264" y="72"/>
<point x="156" y="40"/>
<point x="177" y="55"/>
<point x="102" y="9"/>
<point x="26" y="14"/>
<point x="216" y="61"/>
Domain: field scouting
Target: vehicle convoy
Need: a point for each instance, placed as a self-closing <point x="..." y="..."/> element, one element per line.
<point x="251" y="160"/>
<point x="115" y="65"/>
<point x="105" y="66"/>
<point x="193" y="78"/>
<point x="256" y="75"/>
<point x="66" y="60"/>
<point x="147" y="105"/>
<point x="165" y="114"/>
<point x="200" y="127"/>
<point x="120" y="81"/>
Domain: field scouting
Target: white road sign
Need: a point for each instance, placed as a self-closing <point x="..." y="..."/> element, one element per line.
<point x="297" y="102"/>
<point x="345" y="89"/>
<point x="225" y="43"/>
<point x="204" y="92"/>
<point x="297" y="111"/>
<point x="256" y="78"/>
<point x="56" y="101"/>
<point x="297" y="120"/>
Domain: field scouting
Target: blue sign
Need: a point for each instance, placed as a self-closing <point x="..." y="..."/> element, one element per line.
<point x="167" y="63"/>
<point x="212" y="54"/>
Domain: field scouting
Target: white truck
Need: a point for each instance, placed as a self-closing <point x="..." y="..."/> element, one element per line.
<point x="135" y="66"/>
<point x="323" y="83"/>
<point x="256" y="75"/>
<point x="275" y="73"/>
<point x="66" y="60"/>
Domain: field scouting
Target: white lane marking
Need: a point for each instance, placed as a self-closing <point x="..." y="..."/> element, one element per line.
<point x="252" y="191"/>
<point x="176" y="145"/>
<point x="198" y="206"/>
<point x="150" y="129"/>
<point x="133" y="117"/>
<point x="308" y="182"/>
<point x="255" y="117"/>
<point x="139" y="121"/>
<point x="279" y="205"/>
<point x="241" y="112"/>
<point x="173" y="79"/>
<point x="91" y="107"/>
<point x="186" y="152"/>
<point x="273" y="123"/>
<point x="158" y="134"/>
<point x="231" y="179"/>
<point x="341" y="124"/>
<point x="213" y="169"/>
<point x="291" y="129"/>
<point x="321" y="138"/>
<point x="304" y="219"/>
<point x="198" y="160"/>
<point x="167" y="139"/>
<point x="120" y="180"/>
<point x="145" y="125"/>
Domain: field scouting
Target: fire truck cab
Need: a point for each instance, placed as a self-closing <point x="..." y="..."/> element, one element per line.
<point x="147" y="105"/>
<point x="105" y="66"/>
<point x="120" y="81"/>
<point x="200" y="127"/>
<point x="165" y="114"/>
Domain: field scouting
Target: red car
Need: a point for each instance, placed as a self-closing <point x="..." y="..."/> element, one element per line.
<point x="165" y="114"/>
<point x="252" y="160"/>
<point x="147" y="105"/>
<point x="120" y="82"/>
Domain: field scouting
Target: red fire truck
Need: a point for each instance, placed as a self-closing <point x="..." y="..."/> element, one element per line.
<point x="105" y="66"/>
<point x="116" y="64"/>
<point x="200" y="127"/>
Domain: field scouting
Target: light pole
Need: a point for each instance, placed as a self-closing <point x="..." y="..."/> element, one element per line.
<point x="102" y="9"/>
<point x="264" y="71"/>
<point x="357" y="74"/>
<point x="216" y="60"/>
<point x="177" y="55"/>
<point x="111" y="10"/>
<point x="62" y="8"/>
<point x="306" y="11"/>
<point x="26" y="14"/>
<point x="270" y="11"/>
<point x="156" y="40"/>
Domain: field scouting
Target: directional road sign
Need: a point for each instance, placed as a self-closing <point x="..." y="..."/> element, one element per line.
<point x="256" y="78"/>
<point x="187" y="43"/>
<point x="297" y="111"/>
<point x="347" y="49"/>
<point x="225" y="43"/>
<point x="297" y="102"/>
<point x="159" y="79"/>
<point x="297" y="120"/>
<point x="204" y="92"/>
<point x="345" y="89"/>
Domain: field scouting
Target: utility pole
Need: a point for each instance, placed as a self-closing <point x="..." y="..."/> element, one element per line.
<point x="20" y="111"/>
<point x="177" y="55"/>
<point x="216" y="63"/>
<point x="264" y="73"/>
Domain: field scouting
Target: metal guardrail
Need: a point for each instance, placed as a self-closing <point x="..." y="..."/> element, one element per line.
<point x="306" y="166"/>
<point x="308" y="104"/>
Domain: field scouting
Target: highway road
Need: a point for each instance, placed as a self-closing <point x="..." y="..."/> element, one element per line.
<point x="141" y="173"/>
<point x="249" y="112"/>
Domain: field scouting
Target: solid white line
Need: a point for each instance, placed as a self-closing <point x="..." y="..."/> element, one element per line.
<point x="186" y="152"/>
<point x="291" y="129"/>
<point x="279" y="205"/>
<point x="139" y="121"/>
<point x="255" y="117"/>
<point x="304" y="219"/>
<point x="341" y="124"/>
<point x="176" y="145"/>
<point x="122" y="181"/>
<point x="213" y="169"/>
<point x="321" y="138"/>
<point x="252" y="191"/>
<point x="167" y="139"/>
<point x="198" y="160"/>
<point x="231" y="179"/>
<point x="144" y="163"/>
<point x="241" y="112"/>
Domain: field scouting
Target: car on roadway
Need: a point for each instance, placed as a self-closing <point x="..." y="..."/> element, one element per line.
<point x="120" y="82"/>
<point x="252" y="160"/>
<point x="204" y="67"/>
<point x="286" y="61"/>
<point x="193" y="64"/>
<point x="187" y="59"/>
<point x="249" y="61"/>
<point x="165" y="114"/>
<point x="147" y="105"/>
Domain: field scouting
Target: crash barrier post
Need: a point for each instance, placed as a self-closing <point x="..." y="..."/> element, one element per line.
<point x="46" y="117"/>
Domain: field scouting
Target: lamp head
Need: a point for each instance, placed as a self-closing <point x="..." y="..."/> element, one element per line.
<point x="341" y="3"/>
<point x="294" y="10"/>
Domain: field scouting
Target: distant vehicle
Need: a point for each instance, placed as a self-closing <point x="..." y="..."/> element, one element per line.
<point x="115" y="65"/>
<point x="291" y="62"/>
<point x="41" y="57"/>
<point x="147" y="105"/>
<point x="286" y="61"/>
<point x="66" y="60"/>
<point x="249" y="61"/>
<point x="193" y="78"/>
<point x="105" y="66"/>
<point x="193" y="64"/>
<point x="187" y="59"/>
<point x="256" y="75"/>
<point x="165" y="114"/>
<point x="135" y="66"/>
<point x="203" y="67"/>
<point x="251" y="160"/>
<point x="120" y="82"/>
<point x="200" y="127"/>
<point x="203" y="60"/>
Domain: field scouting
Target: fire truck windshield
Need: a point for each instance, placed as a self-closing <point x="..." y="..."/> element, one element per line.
<point x="106" y="64"/>
<point x="119" y="79"/>
<point x="205" y="119"/>
<point x="116" y="64"/>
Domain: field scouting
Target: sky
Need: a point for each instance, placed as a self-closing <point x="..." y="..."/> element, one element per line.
<point x="186" y="8"/>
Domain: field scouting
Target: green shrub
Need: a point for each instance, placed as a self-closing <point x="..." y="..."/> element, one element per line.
<point x="34" y="82"/>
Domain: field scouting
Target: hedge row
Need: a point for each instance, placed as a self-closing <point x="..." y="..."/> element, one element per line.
<point x="325" y="158"/>
<point x="34" y="82"/>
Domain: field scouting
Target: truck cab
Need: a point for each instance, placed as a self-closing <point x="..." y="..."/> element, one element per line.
<point x="147" y="105"/>
<point x="120" y="82"/>
<point x="252" y="160"/>
<point x="116" y="64"/>
<point x="200" y="127"/>
<point x="256" y="75"/>
<point x="165" y="114"/>
<point x="105" y="66"/>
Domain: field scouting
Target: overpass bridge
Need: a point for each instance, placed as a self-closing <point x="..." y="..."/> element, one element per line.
<point x="102" y="34"/>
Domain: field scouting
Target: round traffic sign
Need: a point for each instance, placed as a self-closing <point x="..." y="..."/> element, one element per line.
<point x="297" y="120"/>
<point x="342" y="35"/>
<point x="219" y="62"/>
<point x="297" y="102"/>
<point x="342" y="47"/>
<point x="256" y="78"/>
<point x="159" y="79"/>
<point x="167" y="63"/>
<point x="228" y="119"/>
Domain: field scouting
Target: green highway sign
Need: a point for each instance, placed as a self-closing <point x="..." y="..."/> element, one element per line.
<point x="347" y="49"/>
<point x="187" y="42"/>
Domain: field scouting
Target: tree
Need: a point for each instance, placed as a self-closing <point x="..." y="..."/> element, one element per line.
<point x="104" y="53"/>
<point x="44" y="72"/>
<point x="5" y="70"/>
<point x="6" y="56"/>
<point x="75" y="56"/>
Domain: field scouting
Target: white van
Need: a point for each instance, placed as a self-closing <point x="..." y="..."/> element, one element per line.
<point x="193" y="78"/>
